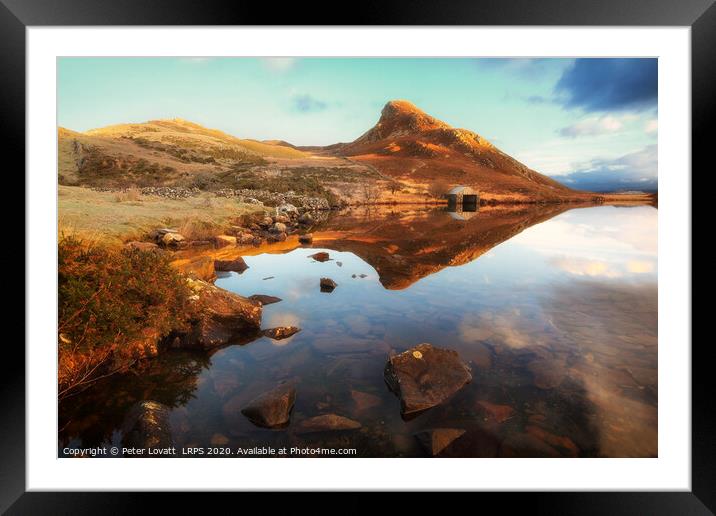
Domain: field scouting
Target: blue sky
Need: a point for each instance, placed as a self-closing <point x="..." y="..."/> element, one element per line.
<point x="589" y="117"/>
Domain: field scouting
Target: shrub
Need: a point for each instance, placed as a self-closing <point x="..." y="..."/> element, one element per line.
<point x="107" y="300"/>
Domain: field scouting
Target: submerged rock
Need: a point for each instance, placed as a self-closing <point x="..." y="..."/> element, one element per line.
<point x="320" y="256"/>
<point x="437" y="439"/>
<point x="146" y="425"/>
<point x="499" y="413"/>
<point x="282" y="332"/>
<point x="219" y="317"/>
<point x="272" y="409"/>
<point x="328" y="285"/>
<point x="425" y="376"/>
<point x="305" y="239"/>
<point x="265" y="299"/>
<point x="235" y="265"/>
<point x="364" y="401"/>
<point x="326" y="423"/>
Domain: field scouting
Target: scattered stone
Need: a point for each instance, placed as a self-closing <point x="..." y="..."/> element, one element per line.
<point x="362" y="275"/>
<point x="265" y="299"/>
<point x="305" y="219"/>
<point x="282" y="219"/>
<point x="305" y="239"/>
<point x="364" y="401"/>
<point x="437" y="439"/>
<point x="266" y="222"/>
<point x="235" y="265"/>
<point x="328" y="285"/>
<point x="340" y="264"/>
<point x="326" y="423"/>
<point x="268" y="277"/>
<point x="272" y="409"/>
<point x="172" y="239"/>
<point x="147" y="426"/>
<point x="142" y="246"/>
<point x="320" y="256"/>
<point x="276" y="237"/>
<point x="245" y="238"/>
<point x="288" y="209"/>
<point x="281" y="332"/>
<point x="425" y="376"/>
<point x="224" y="240"/>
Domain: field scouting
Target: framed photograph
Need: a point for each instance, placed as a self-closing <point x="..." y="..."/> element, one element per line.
<point x="445" y="249"/>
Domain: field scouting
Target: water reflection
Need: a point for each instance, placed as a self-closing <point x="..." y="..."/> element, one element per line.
<point x="557" y="317"/>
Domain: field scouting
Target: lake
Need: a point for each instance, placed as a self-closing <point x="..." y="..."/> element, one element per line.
<point x="554" y="309"/>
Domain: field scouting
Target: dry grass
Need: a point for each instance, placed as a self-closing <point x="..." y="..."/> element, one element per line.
<point x="128" y="195"/>
<point x="98" y="217"/>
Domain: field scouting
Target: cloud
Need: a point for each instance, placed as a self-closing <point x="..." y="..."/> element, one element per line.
<point x="633" y="171"/>
<point x="606" y="84"/>
<point x="652" y="127"/>
<point x="279" y="64"/>
<point x="523" y="67"/>
<point x="307" y="104"/>
<point x="592" y="126"/>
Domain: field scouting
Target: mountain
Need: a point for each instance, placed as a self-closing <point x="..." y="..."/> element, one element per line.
<point x="409" y="145"/>
<point x="160" y="152"/>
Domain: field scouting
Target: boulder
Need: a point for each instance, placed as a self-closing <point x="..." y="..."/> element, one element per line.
<point x="245" y="238"/>
<point x="305" y="239"/>
<point x="264" y="299"/>
<point x="235" y="265"/>
<point x="283" y="219"/>
<point x="437" y="439"/>
<point x="276" y="237"/>
<point x="278" y="227"/>
<point x="219" y="317"/>
<point x="146" y="425"/>
<point x="172" y="239"/>
<point x="281" y="332"/>
<point x="328" y="285"/>
<point x="320" y="256"/>
<point x="326" y="423"/>
<point x="305" y="219"/>
<point x="425" y="376"/>
<point x="266" y="221"/>
<point x="272" y="409"/>
<point x="142" y="246"/>
<point x="224" y="240"/>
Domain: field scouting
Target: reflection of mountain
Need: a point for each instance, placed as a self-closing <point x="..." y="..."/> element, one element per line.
<point x="407" y="246"/>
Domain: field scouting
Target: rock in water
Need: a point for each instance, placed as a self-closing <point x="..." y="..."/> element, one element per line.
<point x="224" y="240"/>
<point x="282" y="332"/>
<point x="264" y="299"/>
<point x="436" y="440"/>
<point x="236" y="265"/>
<point x="363" y="400"/>
<point x="327" y="285"/>
<point x="272" y="409"/>
<point x="305" y="239"/>
<point x="424" y="376"/>
<point x="326" y="423"/>
<point x="219" y="317"/>
<point x="321" y="256"/>
<point x="147" y="426"/>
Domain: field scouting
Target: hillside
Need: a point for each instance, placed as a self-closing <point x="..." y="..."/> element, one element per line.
<point x="411" y="146"/>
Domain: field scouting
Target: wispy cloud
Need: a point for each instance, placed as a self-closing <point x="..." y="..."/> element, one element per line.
<point x="307" y="104"/>
<point x="636" y="170"/>
<point x="592" y="126"/>
<point x="652" y="127"/>
<point x="609" y="84"/>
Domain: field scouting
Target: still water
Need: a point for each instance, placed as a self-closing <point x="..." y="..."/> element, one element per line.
<point x="554" y="309"/>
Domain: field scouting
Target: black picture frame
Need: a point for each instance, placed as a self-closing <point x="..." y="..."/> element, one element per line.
<point x="700" y="15"/>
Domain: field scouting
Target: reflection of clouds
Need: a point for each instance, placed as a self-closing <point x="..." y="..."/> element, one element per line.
<point x="509" y="328"/>
<point x="584" y="267"/>
<point x="274" y="320"/>
<point x="605" y="241"/>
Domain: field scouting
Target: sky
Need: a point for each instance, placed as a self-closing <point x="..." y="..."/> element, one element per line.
<point x="587" y="122"/>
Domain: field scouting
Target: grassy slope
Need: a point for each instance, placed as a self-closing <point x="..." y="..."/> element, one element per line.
<point x="101" y="217"/>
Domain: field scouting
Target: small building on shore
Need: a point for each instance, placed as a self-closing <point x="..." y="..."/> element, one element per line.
<point x="462" y="195"/>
